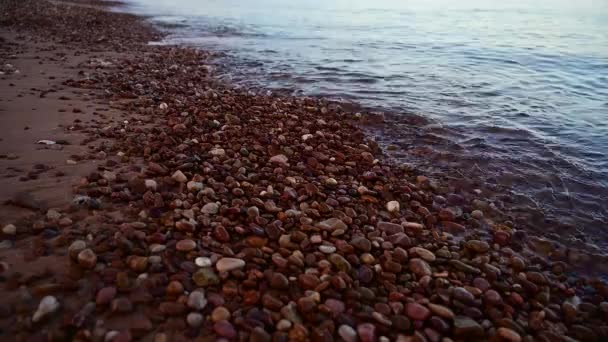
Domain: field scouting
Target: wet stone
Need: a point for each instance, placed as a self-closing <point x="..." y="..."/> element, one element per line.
<point x="105" y="295"/>
<point x="361" y="243"/>
<point x="390" y="228"/>
<point x="229" y="264"/>
<point x="417" y="311"/>
<point x="224" y="329"/>
<point x="87" y="258"/>
<point x="420" y="267"/>
<point x="220" y="314"/>
<point x="205" y="277"/>
<point x="465" y="327"/>
<point x="197" y="300"/>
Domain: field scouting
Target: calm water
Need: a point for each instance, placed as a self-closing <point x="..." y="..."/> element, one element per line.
<point x="511" y="92"/>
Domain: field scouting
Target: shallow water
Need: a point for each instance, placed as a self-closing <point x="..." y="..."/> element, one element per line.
<point x="514" y="93"/>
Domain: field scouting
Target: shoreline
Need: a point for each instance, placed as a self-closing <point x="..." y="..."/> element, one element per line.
<point x="547" y="203"/>
<point x="279" y="210"/>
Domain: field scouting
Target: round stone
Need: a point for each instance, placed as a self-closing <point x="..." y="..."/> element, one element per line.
<point x="194" y="319"/>
<point x="197" y="300"/>
<point x="202" y="262"/>
<point x="87" y="258"/>
<point x="220" y="314"/>
<point x="392" y="207"/>
<point x="210" y="208"/>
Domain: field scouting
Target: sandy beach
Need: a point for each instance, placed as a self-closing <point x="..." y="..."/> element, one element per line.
<point x="142" y="199"/>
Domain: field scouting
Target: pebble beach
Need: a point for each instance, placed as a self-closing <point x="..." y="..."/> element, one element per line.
<point x="171" y="206"/>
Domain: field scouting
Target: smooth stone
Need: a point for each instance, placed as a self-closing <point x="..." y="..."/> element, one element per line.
<point x="202" y="262"/>
<point x="185" y="245"/>
<point x="361" y="243"/>
<point x="9" y="229"/>
<point x="417" y="311"/>
<point x="366" y="332"/>
<point x="420" y="267"/>
<point x="197" y="300"/>
<point x="392" y="207"/>
<point x="423" y="253"/>
<point x="87" y="258"/>
<point x="390" y="228"/>
<point x="210" y="208"/>
<point x="76" y="247"/>
<point x="441" y="311"/>
<point x="327" y="249"/>
<point x="229" y="264"/>
<point x="347" y="333"/>
<point x="105" y="295"/>
<point x="205" y="277"/>
<point x="279" y="159"/>
<point x="340" y="263"/>
<point x="194" y="186"/>
<point x="47" y="305"/>
<point x="332" y="224"/>
<point x="466" y="327"/>
<point x="220" y="314"/>
<point x="194" y="319"/>
<point x="478" y="246"/>
<point x="179" y="177"/>
<point x="461" y="294"/>
<point x="508" y="334"/>
<point x="224" y="329"/>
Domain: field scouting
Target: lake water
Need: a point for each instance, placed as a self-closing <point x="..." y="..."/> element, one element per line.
<point x="511" y="93"/>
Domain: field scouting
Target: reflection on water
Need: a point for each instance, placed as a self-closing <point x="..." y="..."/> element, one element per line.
<point x="519" y="87"/>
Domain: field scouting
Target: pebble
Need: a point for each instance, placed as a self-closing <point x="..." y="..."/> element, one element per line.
<point x="508" y="334"/>
<point x="392" y="207"/>
<point x="461" y="294"/>
<point x="420" y="267"/>
<point x="194" y="319"/>
<point x="194" y="186"/>
<point x="47" y="305"/>
<point x="210" y="208"/>
<point x="465" y="327"/>
<point x="197" y="300"/>
<point x="423" y="253"/>
<point x="185" y="245"/>
<point x="205" y="277"/>
<point x="220" y="314"/>
<point x="87" y="258"/>
<point x="76" y="247"/>
<point x="417" y="311"/>
<point x="9" y="229"/>
<point x="332" y="224"/>
<point x="347" y="333"/>
<point x="279" y="159"/>
<point x="202" y="262"/>
<point x="179" y="177"/>
<point x="224" y="329"/>
<point x="105" y="295"/>
<point x="366" y="332"/>
<point x="151" y="184"/>
<point x="229" y="264"/>
<point x="441" y="311"/>
<point x="327" y="249"/>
